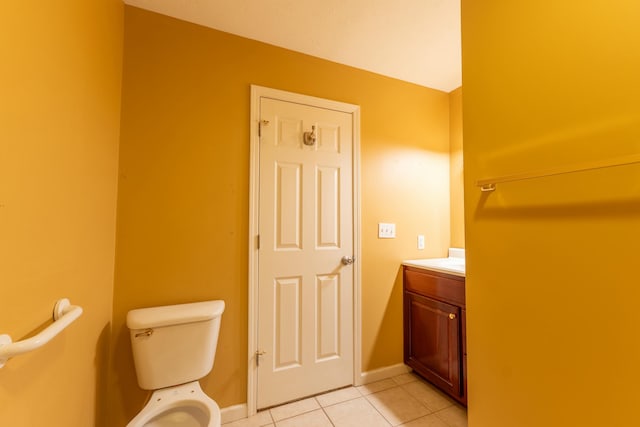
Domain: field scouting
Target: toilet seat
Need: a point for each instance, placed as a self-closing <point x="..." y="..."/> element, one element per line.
<point x="184" y="405"/>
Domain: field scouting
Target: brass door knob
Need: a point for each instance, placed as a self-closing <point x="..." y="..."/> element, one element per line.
<point x="452" y="316"/>
<point x="347" y="260"/>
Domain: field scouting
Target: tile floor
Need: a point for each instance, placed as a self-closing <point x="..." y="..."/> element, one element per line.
<point x="405" y="400"/>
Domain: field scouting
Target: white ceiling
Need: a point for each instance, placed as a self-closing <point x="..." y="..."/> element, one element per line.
<point x="413" y="40"/>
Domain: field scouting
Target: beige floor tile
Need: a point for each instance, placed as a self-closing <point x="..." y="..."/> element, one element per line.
<point x="454" y="416"/>
<point x="262" y="418"/>
<point x="376" y="386"/>
<point x="428" y="395"/>
<point x="405" y="378"/>
<point x="397" y="406"/>
<point x="428" y="421"/>
<point x="315" y="418"/>
<point x="415" y="403"/>
<point x="338" y="396"/>
<point x="295" y="408"/>
<point x="355" y="413"/>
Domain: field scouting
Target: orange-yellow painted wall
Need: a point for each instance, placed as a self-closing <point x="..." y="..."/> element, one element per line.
<point x="184" y="181"/>
<point x="552" y="286"/>
<point x="60" y="83"/>
<point x="456" y="175"/>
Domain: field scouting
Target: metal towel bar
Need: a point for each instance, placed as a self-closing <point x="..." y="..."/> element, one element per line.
<point x="63" y="315"/>
<point x="490" y="183"/>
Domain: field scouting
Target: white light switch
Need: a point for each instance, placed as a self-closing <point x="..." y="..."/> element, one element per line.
<point x="420" y="241"/>
<point x="386" y="230"/>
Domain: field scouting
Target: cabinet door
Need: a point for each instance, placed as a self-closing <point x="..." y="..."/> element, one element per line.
<point x="432" y="341"/>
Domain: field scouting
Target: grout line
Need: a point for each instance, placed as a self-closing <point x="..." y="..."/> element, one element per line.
<point x="327" y="415"/>
<point x="442" y="419"/>
<point x="374" y="406"/>
<point x="273" y="421"/>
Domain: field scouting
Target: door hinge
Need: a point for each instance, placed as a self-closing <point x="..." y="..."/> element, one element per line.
<point x="260" y="124"/>
<point x="258" y="241"/>
<point x="259" y="354"/>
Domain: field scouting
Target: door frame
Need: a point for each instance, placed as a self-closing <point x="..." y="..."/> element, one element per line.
<point x="258" y="92"/>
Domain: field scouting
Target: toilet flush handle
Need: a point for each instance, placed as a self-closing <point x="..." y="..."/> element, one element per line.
<point x="146" y="333"/>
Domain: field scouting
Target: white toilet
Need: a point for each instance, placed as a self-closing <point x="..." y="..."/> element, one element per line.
<point x="173" y="347"/>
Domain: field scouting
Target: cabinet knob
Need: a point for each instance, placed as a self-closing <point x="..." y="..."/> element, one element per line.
<point x="452" y="316"/>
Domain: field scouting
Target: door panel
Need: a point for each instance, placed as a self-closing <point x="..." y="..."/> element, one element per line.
<point x="328" y="207"/>
<point x="288" y="201"/>
<point x="288" y="321"/>
<point x="328" y="317"/>
<point x="305" y="294"/>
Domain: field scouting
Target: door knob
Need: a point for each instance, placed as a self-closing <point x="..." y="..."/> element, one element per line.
<point x="346" y="260"/>
<point x="452" y="316"/>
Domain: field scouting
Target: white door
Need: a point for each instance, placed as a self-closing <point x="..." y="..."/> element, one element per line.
<point x="305" y="291"/>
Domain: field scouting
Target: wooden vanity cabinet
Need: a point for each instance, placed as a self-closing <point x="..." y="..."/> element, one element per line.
<point x="434" y="329"/>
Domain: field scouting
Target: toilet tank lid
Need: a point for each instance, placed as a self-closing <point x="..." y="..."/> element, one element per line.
<point x="155" y="317"/>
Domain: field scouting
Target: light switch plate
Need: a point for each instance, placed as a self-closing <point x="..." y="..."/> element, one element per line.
<point x="420" y="241"/>
<point x="386" y="230"/>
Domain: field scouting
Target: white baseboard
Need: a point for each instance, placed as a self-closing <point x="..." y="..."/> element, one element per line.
<point x="383" y="373"/>
<point x="233" y="413"/>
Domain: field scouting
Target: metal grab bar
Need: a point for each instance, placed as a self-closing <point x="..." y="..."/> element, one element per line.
<point x="489" y="184"/>
<point x="63" y="315"/>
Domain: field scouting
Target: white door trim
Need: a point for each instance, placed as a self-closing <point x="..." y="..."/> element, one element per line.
<point x="258" y="92"/>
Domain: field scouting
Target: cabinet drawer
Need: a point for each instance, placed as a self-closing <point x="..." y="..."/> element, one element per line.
<point x="440" y="286"/>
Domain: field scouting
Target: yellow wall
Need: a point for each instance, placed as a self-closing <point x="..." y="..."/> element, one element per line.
<point x="183" y="192"/>
<point x="552" y="287"/>
<point x="60" y="78"/>
<point x="456" y="184"/>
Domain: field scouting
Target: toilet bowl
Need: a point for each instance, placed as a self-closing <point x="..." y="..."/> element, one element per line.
<point x="185" y="405"/>
<point x="173" y="347"/>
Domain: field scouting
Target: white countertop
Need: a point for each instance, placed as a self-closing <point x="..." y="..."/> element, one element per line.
<point x="454" y="264"/>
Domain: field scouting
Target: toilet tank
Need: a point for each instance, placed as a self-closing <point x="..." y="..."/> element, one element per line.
<point x="174" y="344"/>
